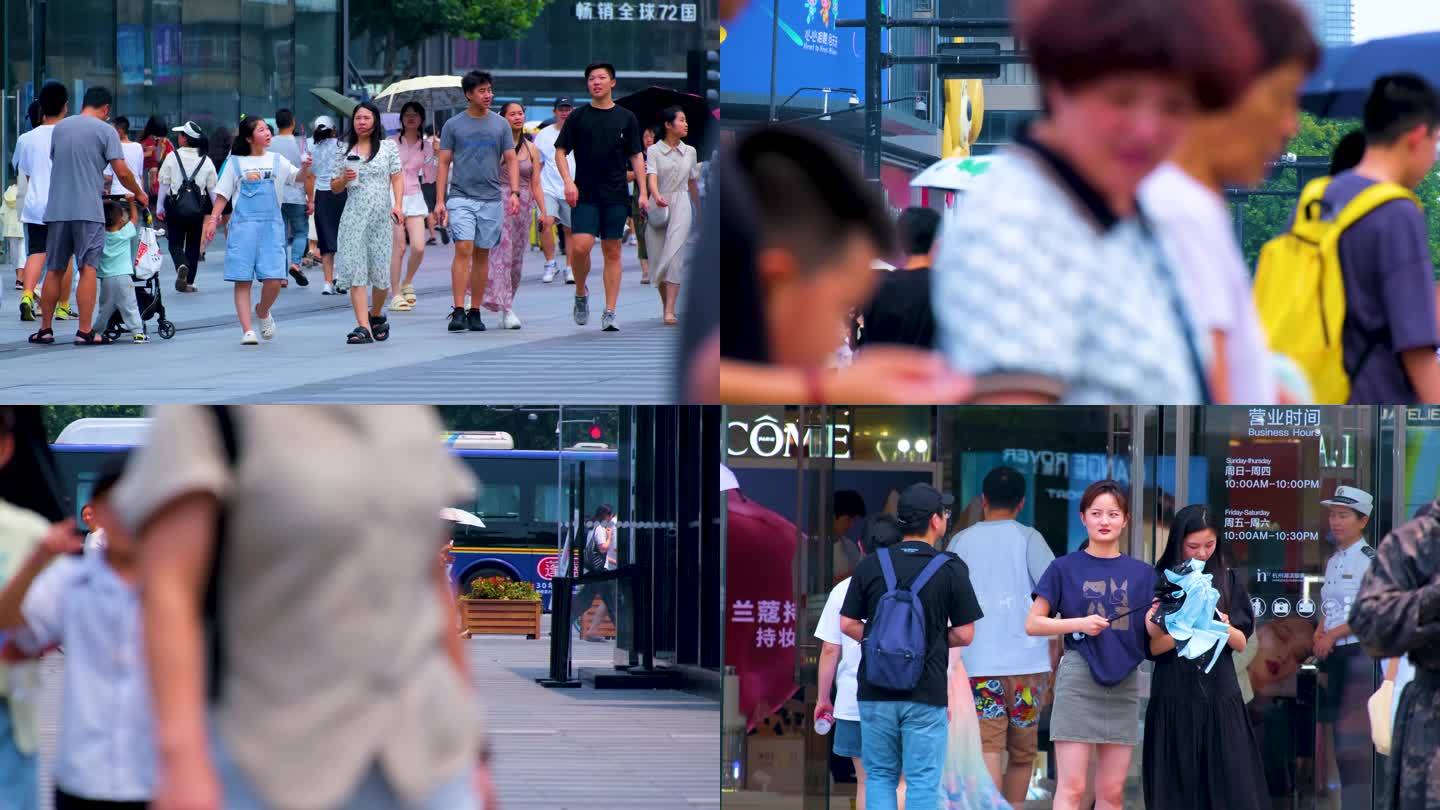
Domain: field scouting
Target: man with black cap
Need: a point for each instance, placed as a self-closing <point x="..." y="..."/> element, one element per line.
<point x="554" y="188"/>
<point x="906" y="731"/>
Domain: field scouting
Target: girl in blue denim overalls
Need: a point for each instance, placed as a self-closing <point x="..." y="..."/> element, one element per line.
<point x="255" y="242"/>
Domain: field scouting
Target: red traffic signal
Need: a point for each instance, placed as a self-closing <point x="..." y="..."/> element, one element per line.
<point x="595" y="433"/>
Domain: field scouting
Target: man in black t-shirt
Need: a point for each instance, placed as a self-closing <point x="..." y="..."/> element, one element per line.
<point x="605" y="140"/>
<point x="900" y="312"/>
<point x="910" y="727"/>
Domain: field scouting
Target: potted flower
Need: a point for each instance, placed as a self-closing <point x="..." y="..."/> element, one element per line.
<point x="500" y="606"/>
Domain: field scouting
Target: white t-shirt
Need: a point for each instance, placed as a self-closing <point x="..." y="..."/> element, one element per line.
<point x="135" y="159"/>
<point x="32" y="158"/>
<point x="550" y="181"/>
<point x="847" y="706"/>
<point x="1198" y="234"/>
<point x="1013" y="557"/>
<point x="269" y="165"/>
<point x="182" y="162"/>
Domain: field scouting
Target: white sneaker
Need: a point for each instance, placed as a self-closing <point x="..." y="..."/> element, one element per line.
<point x="267" y="326"/>
<point x="249" y="339"/>
<point x="329" y="289"/>
<point x="510" y="321"/>
<point x="550" y="271"/>
<point x="569" y="276"/>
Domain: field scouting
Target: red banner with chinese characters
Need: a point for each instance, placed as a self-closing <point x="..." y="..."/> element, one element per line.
<point x="760" y="610"/>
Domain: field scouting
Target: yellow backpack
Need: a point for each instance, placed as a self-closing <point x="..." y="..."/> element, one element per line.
<point x="1299" y="292"/>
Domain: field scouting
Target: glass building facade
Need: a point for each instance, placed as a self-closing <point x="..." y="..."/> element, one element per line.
<point x="1334" y="20"/>
<point x="1266" y="470"/>
<point x="203" y="60"/>
<point x="212" y="60"/>
<point x="666" y="588"/>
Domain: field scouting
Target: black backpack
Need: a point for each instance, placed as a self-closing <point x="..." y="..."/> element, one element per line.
<point x="187" y="202"/>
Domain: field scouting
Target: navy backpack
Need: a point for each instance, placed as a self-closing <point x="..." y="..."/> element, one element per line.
<point x="894" y="649"/>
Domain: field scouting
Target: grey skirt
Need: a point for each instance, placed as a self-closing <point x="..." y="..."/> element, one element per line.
<point x="1087" y="712"/>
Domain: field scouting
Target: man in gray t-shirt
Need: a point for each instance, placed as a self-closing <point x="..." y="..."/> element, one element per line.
<point x="81" y="147"/>
<point x="294" y="208"/>
<point x="473" y="200"/>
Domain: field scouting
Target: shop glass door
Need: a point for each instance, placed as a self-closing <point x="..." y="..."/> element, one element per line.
<point x="1265" y="471"/>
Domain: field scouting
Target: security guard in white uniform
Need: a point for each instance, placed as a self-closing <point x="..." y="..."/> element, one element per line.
<point x="1349" y="673"/>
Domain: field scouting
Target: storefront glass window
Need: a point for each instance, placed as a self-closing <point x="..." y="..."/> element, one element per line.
<point x="183" y="60"/>
<point x="210" y="53"/>
<point x="317" y="64"/>
<point x="80" y="40"/>
<point x="1263" y="471"/>
<point x="147" y="41"/>
<point x="267" y="56"/>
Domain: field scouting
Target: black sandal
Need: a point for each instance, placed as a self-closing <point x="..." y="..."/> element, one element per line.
<point x="358" y="336"/>
<point x="380" y="327"/>
<point x="92" y="339"/>
<point x="44" y="336"/>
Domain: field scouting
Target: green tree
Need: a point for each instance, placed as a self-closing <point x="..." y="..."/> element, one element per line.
<point x="396" y="24"/>
<point x="1268" y="217"/>
<point x="58" y="416"/>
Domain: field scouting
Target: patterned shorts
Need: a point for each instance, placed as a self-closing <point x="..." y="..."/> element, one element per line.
<point x="1008" y="708"/>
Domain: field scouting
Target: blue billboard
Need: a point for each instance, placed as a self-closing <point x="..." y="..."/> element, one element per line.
<point x="812" y="52"/>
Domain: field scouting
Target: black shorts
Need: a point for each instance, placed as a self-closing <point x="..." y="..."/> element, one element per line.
<point x="35" y="238"/>
<point x="66" y="801"/>
<point x="328" y="208"/>
<point x="605" y="221"/>
<point x="427" y="190"/>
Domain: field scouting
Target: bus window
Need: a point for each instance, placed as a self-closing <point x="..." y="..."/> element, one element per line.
<point x="546" y="506"/>
<point x="497" y="502"/>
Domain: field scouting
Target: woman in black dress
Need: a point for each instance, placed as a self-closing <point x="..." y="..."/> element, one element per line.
<point x="1200" y="752"/>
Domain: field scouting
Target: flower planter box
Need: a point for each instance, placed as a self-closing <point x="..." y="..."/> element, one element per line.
<point x="588" y="625"/>
<point x="500" y="617"/>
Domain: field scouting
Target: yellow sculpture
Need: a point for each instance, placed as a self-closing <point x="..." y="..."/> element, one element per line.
<point x="964" y="115"/>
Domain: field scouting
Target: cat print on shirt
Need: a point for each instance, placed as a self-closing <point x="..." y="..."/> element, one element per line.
<point x="1108" y="599"/>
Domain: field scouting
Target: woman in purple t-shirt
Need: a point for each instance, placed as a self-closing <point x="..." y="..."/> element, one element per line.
<point x="1100" y="597"/>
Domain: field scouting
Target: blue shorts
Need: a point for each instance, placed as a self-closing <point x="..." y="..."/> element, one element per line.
<point x="19" y="778"/>
<point x="604" y="221"/>
<point x="477" y="221"/>
<point x="847" y="738"/>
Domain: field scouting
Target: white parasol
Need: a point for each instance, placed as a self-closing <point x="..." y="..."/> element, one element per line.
<point x="954" y="174"/>
<point x="434" y="92"/>
<point x="462" y="517"/>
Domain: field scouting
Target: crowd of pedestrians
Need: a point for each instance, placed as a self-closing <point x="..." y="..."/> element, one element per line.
<point x="1037" y="636"/>
<point x="481" y="182"/>
<point x="1150" y="120"/>
<point x="210" y="662"/>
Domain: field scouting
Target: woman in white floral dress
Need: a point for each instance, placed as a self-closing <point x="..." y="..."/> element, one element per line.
<point x="370" y="177"/>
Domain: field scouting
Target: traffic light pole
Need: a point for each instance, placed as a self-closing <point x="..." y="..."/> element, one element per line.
<point x="876" y="61"/>
<point x="874" y="21"/>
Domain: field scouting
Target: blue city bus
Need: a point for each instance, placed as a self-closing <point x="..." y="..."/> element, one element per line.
<point x="530" y="501"/>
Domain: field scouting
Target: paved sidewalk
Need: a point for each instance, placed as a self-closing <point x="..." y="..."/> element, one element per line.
<point x="583" y="749"/>
<point x="549" y="358"/>
<point x="555" y="749"/>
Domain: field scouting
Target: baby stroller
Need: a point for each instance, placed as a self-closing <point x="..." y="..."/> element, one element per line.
<point x="147" y="285"/>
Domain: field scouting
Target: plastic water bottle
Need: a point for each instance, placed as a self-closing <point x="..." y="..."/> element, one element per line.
<point x="824" y="723"/>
